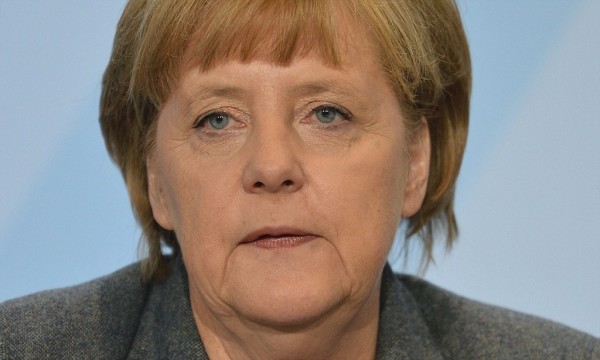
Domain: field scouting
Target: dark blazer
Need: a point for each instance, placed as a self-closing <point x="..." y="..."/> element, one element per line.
<point x="118" y="317"/>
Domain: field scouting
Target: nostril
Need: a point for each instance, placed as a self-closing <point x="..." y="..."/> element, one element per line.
<point x="287" y="185"/>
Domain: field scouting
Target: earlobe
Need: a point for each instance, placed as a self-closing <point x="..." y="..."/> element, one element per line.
<point x="156" y="196"/>
<point x="419" y="151"/>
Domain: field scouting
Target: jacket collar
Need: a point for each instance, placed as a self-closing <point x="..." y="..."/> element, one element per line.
<point x="167" y="329"/>
<point x="403" y="333"/>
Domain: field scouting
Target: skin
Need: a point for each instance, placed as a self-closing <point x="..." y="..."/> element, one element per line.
<point x="337" y="189"/>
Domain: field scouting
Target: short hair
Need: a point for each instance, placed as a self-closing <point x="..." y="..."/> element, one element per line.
<point x="421" y="46"/>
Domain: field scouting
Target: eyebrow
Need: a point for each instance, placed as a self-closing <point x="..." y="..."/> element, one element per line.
<point x="303" y="90"/>
<point x="212" y="91"/>
<point x="320" y="87"/>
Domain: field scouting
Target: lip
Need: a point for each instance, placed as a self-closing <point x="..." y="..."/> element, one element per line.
<point x="278" y="237"/>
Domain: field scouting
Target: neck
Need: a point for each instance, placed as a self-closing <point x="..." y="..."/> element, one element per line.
<point x="347" y="332"/>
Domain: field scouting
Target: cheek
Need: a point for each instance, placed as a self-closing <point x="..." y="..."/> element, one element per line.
<point x="361" y="201"/>
<point x="201" y="199"/>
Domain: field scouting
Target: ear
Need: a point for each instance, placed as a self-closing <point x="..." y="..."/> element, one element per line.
<point x="156" y="195"/>
<point x="419" y="152"/>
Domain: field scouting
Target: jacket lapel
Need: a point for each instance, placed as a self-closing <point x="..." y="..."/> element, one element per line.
<point x="403" y="333"/>
<point x="167" y="329"/>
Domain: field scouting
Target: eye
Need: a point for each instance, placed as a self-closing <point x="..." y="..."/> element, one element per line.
<point x="327" y="114"/>
<point x="216" y="121"/>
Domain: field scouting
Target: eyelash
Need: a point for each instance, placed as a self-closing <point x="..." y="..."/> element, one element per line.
<point x="345" y="114"/>
<point x="203" y="119"/>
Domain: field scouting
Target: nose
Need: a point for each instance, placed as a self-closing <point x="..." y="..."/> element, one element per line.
<point x="272" y="164"/>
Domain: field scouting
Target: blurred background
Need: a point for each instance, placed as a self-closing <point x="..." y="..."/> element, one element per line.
<point x="528" y="198"/>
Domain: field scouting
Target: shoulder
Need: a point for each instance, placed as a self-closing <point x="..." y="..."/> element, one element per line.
<point x="464" y="328"/>
<point x="76" y="322"/>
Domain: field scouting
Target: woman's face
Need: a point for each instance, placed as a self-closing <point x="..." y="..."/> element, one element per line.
<point x="285" y="184"/>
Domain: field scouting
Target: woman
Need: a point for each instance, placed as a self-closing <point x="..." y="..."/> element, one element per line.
<point x="274" y="148"/>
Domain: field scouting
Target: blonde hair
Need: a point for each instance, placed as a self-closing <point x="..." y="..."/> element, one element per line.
<point x="420" y="43"/>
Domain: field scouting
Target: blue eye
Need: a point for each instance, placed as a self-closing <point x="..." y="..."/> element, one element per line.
<point x="217" y="121"/>
<point x="326" y="114"/>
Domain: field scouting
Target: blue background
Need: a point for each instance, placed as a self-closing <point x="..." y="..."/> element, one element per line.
<point x="528" y="197"/>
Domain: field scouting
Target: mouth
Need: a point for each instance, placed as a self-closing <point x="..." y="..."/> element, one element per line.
<point x="277" y="238"/>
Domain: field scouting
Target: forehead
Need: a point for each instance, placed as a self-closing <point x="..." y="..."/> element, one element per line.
<point x="276" y="32"/>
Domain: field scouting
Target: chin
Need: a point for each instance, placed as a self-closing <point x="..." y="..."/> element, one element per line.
<point x="288" y="296"/>
<point x="291" y="306"/>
